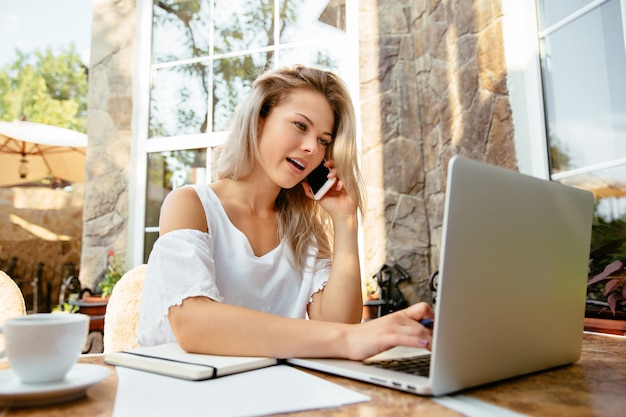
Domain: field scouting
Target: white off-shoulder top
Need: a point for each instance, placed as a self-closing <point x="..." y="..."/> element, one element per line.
<point x="221" y="265"/>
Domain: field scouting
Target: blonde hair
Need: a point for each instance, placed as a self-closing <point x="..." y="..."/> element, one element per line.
<point x="300" y="219"/>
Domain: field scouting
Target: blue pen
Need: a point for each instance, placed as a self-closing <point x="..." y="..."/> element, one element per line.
<point x="428" y="323"/>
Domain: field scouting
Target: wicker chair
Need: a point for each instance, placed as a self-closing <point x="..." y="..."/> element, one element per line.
<point x="122" y="313"/>
<point x="11" y="301"/>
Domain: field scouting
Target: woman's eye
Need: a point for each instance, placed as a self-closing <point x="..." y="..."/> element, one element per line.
<point x="300" y="125"/>
<point x="323" y="142"/>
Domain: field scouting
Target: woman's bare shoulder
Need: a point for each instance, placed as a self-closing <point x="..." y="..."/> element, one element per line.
<point x="182" y="209"/>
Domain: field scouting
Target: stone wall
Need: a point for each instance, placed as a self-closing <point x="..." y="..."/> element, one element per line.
<point x="109" y="129"/>
<point x="433" y="84"/>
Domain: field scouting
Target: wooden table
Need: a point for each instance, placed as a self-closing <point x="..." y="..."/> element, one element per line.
<point x="594" y="386"/>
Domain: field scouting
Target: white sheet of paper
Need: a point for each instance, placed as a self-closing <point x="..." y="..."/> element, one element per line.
<point x="473" y="407"/>
<point x="277" y="389"/>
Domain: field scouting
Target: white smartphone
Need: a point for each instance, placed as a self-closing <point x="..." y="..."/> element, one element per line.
<point x="319" y="182"/>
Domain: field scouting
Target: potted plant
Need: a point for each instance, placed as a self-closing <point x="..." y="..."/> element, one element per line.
<point x="371" y="296"/>
<point x="95" y="305"/>
<point x="65" y="307"/>
<point x="114" y="272"/>
<point x="606" y="300"/>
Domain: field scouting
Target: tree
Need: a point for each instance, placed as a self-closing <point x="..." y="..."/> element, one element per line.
<point x="46" y="88"/>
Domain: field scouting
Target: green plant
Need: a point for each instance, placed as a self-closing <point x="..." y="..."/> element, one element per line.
<point x="67" y="306"/>
<point x="114" y="272"/>
<point x="614" y="287"/>
<point x="372" y="290"/>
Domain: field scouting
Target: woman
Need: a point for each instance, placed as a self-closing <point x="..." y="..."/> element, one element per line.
<point x="242" y="262"/>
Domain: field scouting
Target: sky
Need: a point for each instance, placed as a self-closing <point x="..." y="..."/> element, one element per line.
<point x="31" y="25"/>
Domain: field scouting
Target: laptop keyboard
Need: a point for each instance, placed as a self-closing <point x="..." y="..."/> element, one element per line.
<point x="416" y="365"/>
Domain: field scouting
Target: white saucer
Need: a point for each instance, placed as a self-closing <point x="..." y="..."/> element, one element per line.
<point x="14" y="393"/>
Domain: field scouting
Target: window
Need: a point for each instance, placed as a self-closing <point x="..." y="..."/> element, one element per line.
<point x="200" y="60"/>
<point x="583" y="62"/>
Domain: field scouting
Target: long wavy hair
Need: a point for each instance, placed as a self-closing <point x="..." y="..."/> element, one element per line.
<point x="300" y="219"/>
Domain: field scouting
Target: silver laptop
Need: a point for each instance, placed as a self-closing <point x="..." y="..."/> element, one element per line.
<point x="511" y="287"/>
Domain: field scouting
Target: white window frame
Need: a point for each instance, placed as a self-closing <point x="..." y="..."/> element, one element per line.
<point x="521" y="45"/>
<point x="521" y="49"/>
<point x="141" y="145"/>
<point x="582" y="11"/>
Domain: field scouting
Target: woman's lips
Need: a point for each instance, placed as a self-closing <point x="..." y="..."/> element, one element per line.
<point x="300" y="165"/>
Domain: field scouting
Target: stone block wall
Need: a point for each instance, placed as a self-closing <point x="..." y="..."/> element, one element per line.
<point x="40" y="225"/>
<point x="109" y="129"/>
<point x="433" y="84"/>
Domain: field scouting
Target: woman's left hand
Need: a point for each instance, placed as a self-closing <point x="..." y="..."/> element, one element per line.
<point x="336" y="201"/>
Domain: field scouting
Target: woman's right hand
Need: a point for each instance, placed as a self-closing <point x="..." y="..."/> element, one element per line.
<point x="401" y="328"/>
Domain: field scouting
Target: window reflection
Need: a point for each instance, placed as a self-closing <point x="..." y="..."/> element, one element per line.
<point x="149" y="239"/>
<point x="305" y="20"/>
<point x="179" y="100"/>
<point x="240" y="27"/>
<point x="609" y="189"/>
<point x="584" y="65"/>
<point x="170" y="170"/>
<point x="232" y="80"/>
<point x="329" y="57"/>
<point x="552" y="11"/>
<point x="609" y="230"/>
<point x="199" y="88"/>
<point x="180" y="29"/>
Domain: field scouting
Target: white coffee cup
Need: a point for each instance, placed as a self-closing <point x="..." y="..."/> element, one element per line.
<point x="43" y="347"/>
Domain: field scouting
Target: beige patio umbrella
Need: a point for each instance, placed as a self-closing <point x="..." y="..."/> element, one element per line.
<point x="601" y="187"/>
<point x="32" y="151"/>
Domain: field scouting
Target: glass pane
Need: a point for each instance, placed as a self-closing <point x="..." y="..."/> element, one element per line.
<point x="170" y="170"/>
<point x="149" y="239"/>
<point x="553" y="11"/>
<point x="179" y="100"/>
<point x="181" y="29"/>
<point x="330" y="57"/>
<point x="311" y="20"/>
<point x="583" y="66"/>
<point x="608" y="240"/>
<point x="232" y="80"/>
<point x="242" y="25"/>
